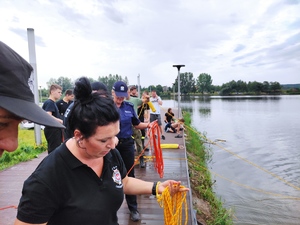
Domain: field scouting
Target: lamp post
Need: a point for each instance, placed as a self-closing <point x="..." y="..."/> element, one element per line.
<point x="41" y="95"/>
<point x="139" y="90"/>
<point x="178" y="68"/>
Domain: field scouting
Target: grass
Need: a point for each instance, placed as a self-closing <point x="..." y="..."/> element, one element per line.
<point x="26" y="151"/>
<point x="200" y="178"/>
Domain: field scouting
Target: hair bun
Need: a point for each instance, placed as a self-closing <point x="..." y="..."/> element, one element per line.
<point x="83" y="90"/>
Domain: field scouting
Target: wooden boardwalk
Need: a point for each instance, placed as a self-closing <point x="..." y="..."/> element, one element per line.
<point x="175" y="167"/>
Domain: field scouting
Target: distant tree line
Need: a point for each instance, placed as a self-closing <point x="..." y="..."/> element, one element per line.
<point x="190" y="85"/>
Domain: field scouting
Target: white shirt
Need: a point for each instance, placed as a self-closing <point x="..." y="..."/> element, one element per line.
<point x="155" y="104"/>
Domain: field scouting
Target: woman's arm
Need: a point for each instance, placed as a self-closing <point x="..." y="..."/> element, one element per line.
<point x="18" y="222"/>
<point x="142" y="125"/>
<point x="134" y="186"/>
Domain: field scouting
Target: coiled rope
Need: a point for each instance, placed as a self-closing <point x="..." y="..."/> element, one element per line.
<point x="172" y="205"/>
<point x="154" y="141"/>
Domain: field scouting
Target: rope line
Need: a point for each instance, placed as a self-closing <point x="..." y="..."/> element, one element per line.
<point x="249" y="187"/>
<point x="7" y="207"/>
<point x="245" y="160"/>
<point x="154" y="142"/>
<point x="173" y="206"/>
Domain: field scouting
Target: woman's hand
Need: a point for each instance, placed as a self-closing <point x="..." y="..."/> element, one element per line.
<point x="174" y="187"/>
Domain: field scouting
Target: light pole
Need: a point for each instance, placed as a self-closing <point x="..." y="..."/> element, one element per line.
<point x="41" y="95"/>
<point x="173" y="84"/>
<point x="178" y="68"/>
<point x="138" y="79"/>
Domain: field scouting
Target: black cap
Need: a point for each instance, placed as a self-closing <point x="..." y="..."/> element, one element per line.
<point x="97" y="86"/>
<point x="15" y="93"/>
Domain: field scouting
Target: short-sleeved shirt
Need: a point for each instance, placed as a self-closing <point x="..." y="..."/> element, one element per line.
<point x="62" y="106"/>
<point x="169" y="116"/>
<point x="67" y="133"/>
<point x="50" y="106"/>
<point x="137" y="102"/>
<point x="128" y="117"/>
<point x="155" y="104"/>
<point x="63" y="190"/>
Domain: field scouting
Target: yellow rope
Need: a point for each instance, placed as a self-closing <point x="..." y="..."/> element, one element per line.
<point x="172" y="206"/>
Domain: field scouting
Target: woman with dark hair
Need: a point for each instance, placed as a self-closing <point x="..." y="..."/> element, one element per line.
<point x="84" y="180"/>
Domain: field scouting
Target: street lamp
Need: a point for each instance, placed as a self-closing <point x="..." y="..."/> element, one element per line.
<point x="178" y="67"/>
<point x="41" y="95"/>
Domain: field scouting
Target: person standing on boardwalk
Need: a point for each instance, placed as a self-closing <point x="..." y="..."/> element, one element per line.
<point x="157" y="102"/>
<point x="64" y="103"/>
<point x="84" y="180"/>
<point x="54" y="136"/>
<point x="16" y="99"/>
<point x="128" y="118"/>
<point x="137" y="134"/>
<point x="144" y="115"/>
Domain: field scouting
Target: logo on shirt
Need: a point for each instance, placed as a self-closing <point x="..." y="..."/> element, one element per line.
<point x="117" y="177"/>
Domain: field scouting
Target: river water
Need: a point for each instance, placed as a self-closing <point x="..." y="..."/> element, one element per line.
<point x="256" y="164"/>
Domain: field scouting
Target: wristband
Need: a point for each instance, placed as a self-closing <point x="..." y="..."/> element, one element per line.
<point x="154" y="188"/>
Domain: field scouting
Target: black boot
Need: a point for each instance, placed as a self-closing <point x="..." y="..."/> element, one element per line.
<point x="142" y="162"/>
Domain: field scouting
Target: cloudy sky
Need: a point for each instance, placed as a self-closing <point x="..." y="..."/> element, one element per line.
<point x="249" y="40"/>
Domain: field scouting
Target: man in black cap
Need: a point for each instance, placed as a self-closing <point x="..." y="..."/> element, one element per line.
<point x="16" y="99"/>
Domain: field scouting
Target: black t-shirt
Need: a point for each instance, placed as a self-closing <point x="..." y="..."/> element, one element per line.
<point x="169" y="116"/>
<point x="62" y="190"/>
<point x="50" y="106"/>
<point x="62" y="106"/>
<point x="67" y="132"/>
<point x="141" y="111"/>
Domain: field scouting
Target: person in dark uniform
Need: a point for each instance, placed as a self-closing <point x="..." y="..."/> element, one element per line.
<point x="128" y="118"/>
<point x="84" y="180"/>
<point x="16" y="99"/>
<point x="54" y="136"/>
<point x="64" y="103"/>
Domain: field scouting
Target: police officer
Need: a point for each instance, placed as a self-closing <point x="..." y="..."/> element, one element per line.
<point x="128" y="118"/>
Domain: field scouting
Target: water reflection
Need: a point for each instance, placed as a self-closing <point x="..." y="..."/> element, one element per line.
<point x="265" y="131"/>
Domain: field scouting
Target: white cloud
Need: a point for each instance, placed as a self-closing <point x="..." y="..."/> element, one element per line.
<point x="254" y="40"/>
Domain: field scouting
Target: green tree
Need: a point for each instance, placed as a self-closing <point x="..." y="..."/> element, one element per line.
<point x="187" y="83"/>
<point x="64" y="82"/>
<point x="241" y="86"/>
<point x="275" y="87"/>
<point x="111" y="79"/>
<point x="204" y="83"/>
<point x="266" y="87"/>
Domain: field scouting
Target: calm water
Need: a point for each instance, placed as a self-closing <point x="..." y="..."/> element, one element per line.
<point x="264" y="130"/>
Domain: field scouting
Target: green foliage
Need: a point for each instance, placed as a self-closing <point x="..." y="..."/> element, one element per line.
<point x="200" y="177"/>
<point x="64" y="82"/>
<point x="26" y="150"/>
<point x="22" y="154"/>
<point x="204" y="83"/>
<point x="187" y="83"/>
<point x="111" y="79"/>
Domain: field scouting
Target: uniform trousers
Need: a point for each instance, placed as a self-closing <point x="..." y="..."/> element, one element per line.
<point x="54" y="137"/>
<point x="137" y="134"/>
<point x="126" y="149"/>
